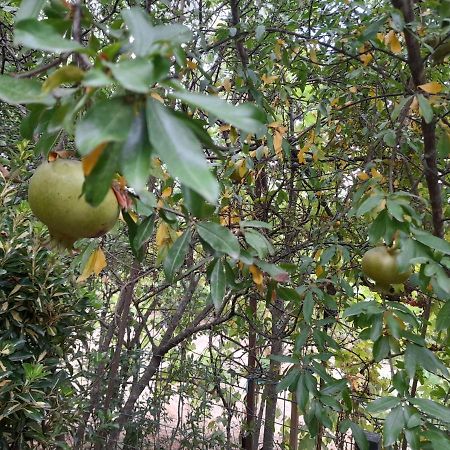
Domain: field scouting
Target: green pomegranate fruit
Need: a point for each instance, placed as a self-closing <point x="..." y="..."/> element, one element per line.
<point x="54" y="195"/>
<point x="380" y="264"/>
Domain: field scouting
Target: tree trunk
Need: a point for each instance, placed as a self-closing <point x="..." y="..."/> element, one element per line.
<point x="250" y="406"/>
<point x="274" y="369"/>
<point x="293" y="432"/>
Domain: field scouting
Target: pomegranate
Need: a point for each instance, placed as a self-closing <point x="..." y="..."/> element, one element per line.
<point x="380" y="264"/>
<point x="54" y="195"/>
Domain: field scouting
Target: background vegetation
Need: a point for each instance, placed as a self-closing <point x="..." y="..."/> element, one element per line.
<point x="265" y="147"/>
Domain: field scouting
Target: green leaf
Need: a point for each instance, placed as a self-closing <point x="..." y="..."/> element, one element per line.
<point x="65" y="74"/>
<point x="432" y="408"/>
<point x="107" y="121"/>
<point x="416" y="355"/>
<point x="258" y="242"/>
<point x="393" y="425"/>
<point x="180" y="150"/>
<point x="98" y="182"/>
<point x="308" y="307"/>
<point x="139" y="74"/>
<point x="247" y="117"/>
<point x="219" y="238"/>
<point x="274" y="271"/>
<point x="29" y="9"/>
<point x="381" y="348"/>
<point x="302" y="393"/>
<point x="334" y="387"/>
<point x="382" y="404"/>
<point x="217" y="282"/>
<point x="426" y="111"/>
<point x="370" y="308"/>
<point x="254" y="224"/>
<point x="259" y="32"/>
<point x="135" y="155"/>
<point x="369" y="204"/>
<point x="359" y="436"/>
<point x="196" y="204"/>
<point x="288" y="380"/>
<point x="389" y="138"/>
<point x="176" y="255"/>
<point x="96" y="78"/>
<point x="432" y="241"/>
<point x="443" y="317"/>
<point x="18" y="91"/>
<point x="144" y="232"/>
<point x="443" y="145"/>
<point x="146" y="35"/>
<point x="40" y="35"/>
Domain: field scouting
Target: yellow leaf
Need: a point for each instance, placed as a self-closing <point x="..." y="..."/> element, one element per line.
<point x="156" y="96"/>
<point x="414" y="105"/>
<point x="167" y="192"/>
<point x="89" y="161"/>
<point x="395" y="45"/>
<point x="16" y="316"/>
<point x="432" y="88"/>
<point x="191" y="64"/>
<point x="301" y="156"/>
<point x="257" y="275"/>
<point x="319" y="271"/>
<point x="366" y="58"/>
<point x="95" y="264"/>
<point x="353" y="90"/>
<point x="363" y="176"/>
<point x="225" y="128"/>
<point x="162" y="235"/>
<point x="269" y="79"/>
<point x="277" y="50"/>
<point x="313" y="55"/>
<point x="380" y="37"/>
<point x="375" y="174"/>
<point x="227" y="84"/>
<point x="277" y="144"/>
<point x="160" y="204"/>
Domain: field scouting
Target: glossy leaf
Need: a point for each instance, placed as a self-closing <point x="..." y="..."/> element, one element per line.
<point x="107" y="121"/>
<point x="218" y="284"/>
<point x="432" y="241"/>
<point x="139" y="74"/>
<point x="276" y="273"/>
<point x="176" y="255"/>
<point x="23" y="91"/>
<point x="145" y="35"/>
<point x="432" y="408"/>
<point x="426" y="110"/>
<point x="40" y="35"/>
<point x="178" y="147"/>
<point x="247" y="117"/>
<point x="219" y="238"/>
<point x="144" y="232"/>
<point x="393" y="425"/>
<point x="382" y="404"/>
<point x="29" y="9"/>
<point x="98" y="182"/>
<point x="135" y="155"/>
<point x="259" y="243"/>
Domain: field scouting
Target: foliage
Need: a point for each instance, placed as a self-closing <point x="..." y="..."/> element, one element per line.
<point x="264" y="149"/>
<point x="43" y="316"/>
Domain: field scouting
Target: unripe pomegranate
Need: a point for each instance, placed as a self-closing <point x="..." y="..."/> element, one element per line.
<point x="54" y="195"/>
<point x="380" y="264"/>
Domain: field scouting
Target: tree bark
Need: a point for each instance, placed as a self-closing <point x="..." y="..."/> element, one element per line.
<point x="274" y="369"/>
<point x="293" y="432"/>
